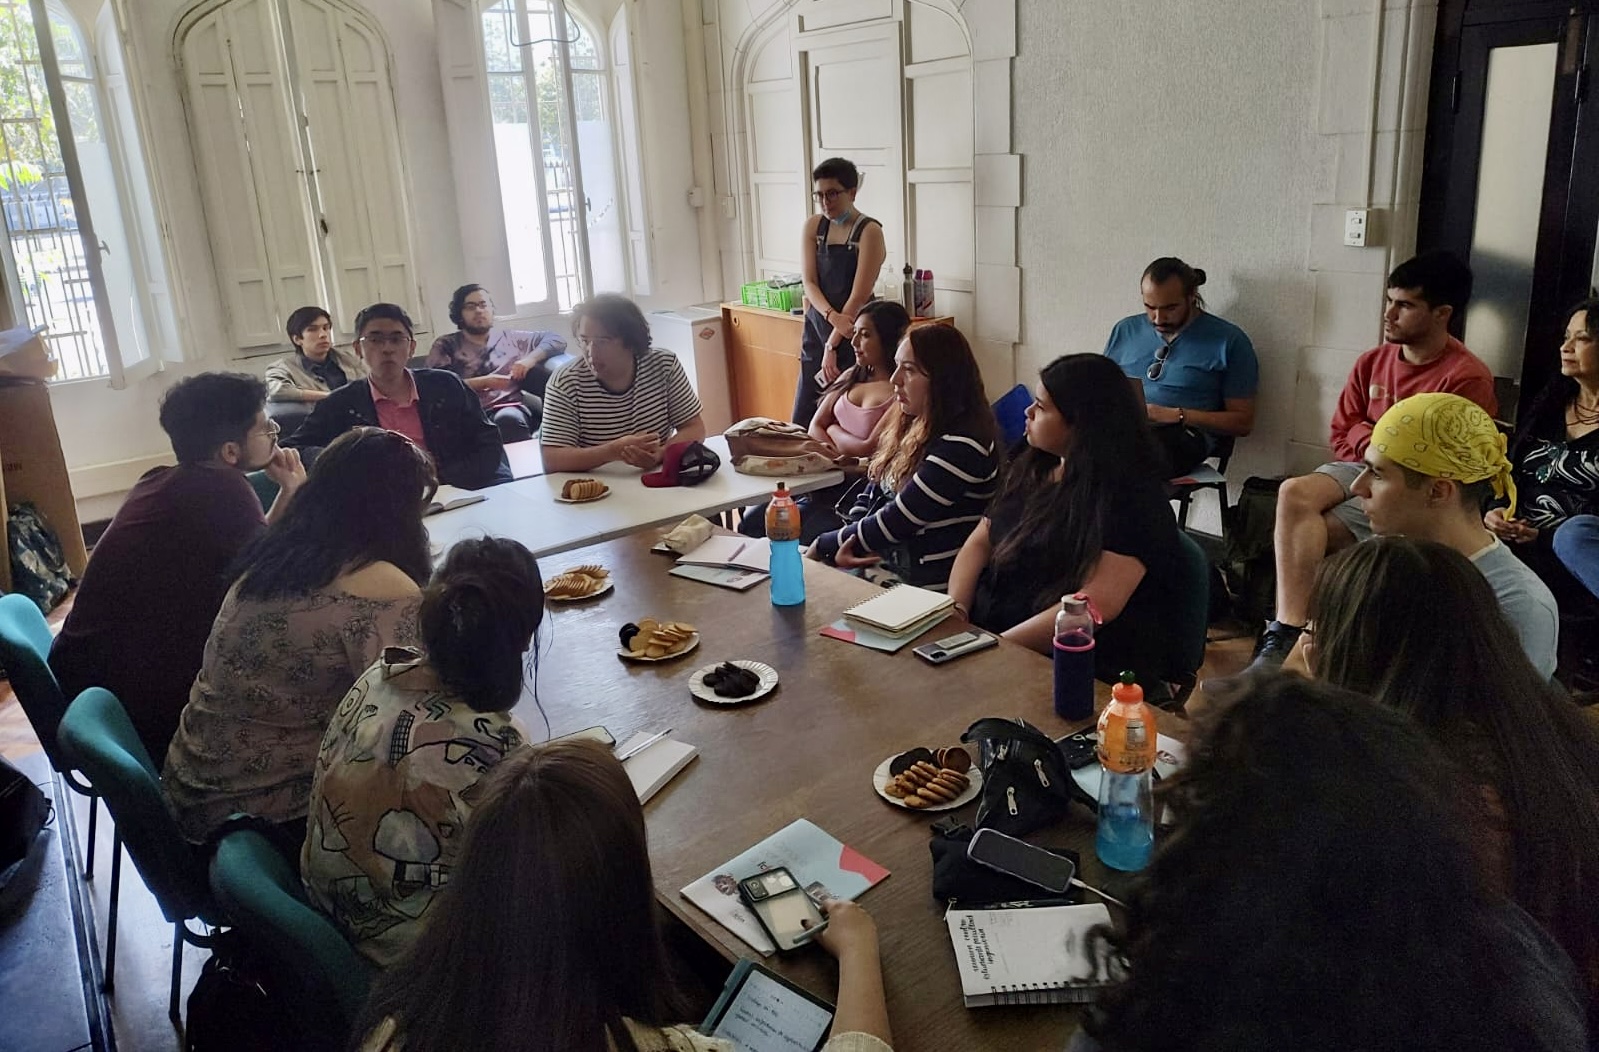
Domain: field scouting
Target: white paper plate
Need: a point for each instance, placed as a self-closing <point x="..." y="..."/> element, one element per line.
<point x="881" y="778"/>
<point x="693" y="644"/>
<point x="584" y="500"/>
<point x="768" y="674"/>
<point x="610" y="583"/>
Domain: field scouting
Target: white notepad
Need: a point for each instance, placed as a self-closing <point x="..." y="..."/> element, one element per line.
<point x="742" y="553"/>
<point x="899" y="609"/>
<point x="1038" y="955"/>
<point x="651" y="769"/>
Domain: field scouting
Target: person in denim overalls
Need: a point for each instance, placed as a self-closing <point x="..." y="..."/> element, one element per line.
<point x="839" y="274"/>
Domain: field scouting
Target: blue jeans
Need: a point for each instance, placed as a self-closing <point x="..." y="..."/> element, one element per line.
<point x="1577" y="545"/>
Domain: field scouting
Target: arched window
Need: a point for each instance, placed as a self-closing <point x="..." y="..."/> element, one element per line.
<point x="556" y="155"/>
<point x="72" y="264"/>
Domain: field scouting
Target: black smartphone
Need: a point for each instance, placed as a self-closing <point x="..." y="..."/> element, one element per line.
<point x="780" y="903"/>
<point x="1080" y="749"/>
<point x="1021" y="860"/>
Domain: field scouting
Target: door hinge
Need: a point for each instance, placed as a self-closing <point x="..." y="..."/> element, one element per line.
<point x="1454" y="93"/>
<point x="1580" y="92"/>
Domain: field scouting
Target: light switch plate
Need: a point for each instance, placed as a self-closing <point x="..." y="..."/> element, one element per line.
<point x="1355" y="227"/>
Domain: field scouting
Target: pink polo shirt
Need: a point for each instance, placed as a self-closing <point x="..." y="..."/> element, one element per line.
<point x="403" y="417"/>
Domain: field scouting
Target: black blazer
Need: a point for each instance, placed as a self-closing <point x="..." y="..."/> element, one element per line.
<point x="465" y="446"/>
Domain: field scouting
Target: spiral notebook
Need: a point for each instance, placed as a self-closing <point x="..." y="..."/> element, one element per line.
<point x="898" y="610"/>
<point x="1033" y="956"/>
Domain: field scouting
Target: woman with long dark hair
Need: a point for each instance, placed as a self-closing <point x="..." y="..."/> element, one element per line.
<point x="1415" y="625"/>
<point x="547" y="937"/>
<point x="935" y="468"/>
<point x="382" y="837"/>
<point x="854" y="410"/>
<point x="1084" y="509"/>
<point x="317" y="598"/>
<point x="1318" y="891"/>
<point x="1555" y="454"/>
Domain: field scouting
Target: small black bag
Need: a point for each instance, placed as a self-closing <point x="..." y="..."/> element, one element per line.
<point x="247" y="1000"/>
<point x="1026" y="783"/>
<point x="24" y="810"/>
<point x="38" y="565"/>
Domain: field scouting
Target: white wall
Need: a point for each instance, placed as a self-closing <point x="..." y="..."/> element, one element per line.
<point x="110" y="437"/>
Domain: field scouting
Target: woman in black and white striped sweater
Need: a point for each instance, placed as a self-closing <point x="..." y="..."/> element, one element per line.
<point x="936" y="466"/>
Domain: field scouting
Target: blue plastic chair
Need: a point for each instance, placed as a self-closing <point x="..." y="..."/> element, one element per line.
<point x="25" y="654"/>
<point x="99" y="738"/>
<point x="1010" y="413"/>
<point x="263" y="896"/>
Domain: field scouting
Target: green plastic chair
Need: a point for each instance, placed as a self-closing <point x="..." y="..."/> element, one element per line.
<point x="25" y="655"/>
<point x="266" y="491"/>
<point x="99" y="738"/>
<point x="261" y="893"/>
<point x="1192" y="623"/>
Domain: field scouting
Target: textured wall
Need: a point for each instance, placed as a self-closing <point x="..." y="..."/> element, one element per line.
<point x="1150" y="128"/>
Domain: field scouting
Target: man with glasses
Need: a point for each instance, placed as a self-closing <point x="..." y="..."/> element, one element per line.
<point x="1199" y="371"/>
<point x="507" y="368"/>
<point x="1320" y="513"/>
<point x="431" y="407"/>
<point x="141" y="616"/>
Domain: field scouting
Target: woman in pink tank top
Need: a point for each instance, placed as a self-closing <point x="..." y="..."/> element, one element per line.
<point x="852" y="411"/>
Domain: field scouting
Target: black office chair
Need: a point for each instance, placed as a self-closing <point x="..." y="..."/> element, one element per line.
<point x="1204" y="477"/>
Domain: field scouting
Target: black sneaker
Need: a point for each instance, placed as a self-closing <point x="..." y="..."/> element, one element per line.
<point x="1274" y="646"/>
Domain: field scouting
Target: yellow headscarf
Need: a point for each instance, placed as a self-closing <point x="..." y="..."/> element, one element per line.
<point x="1445" y="436"/>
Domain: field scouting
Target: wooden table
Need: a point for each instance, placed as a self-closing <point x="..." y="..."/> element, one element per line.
<point x="527" y="510"/>
<point x="807" y="751"/>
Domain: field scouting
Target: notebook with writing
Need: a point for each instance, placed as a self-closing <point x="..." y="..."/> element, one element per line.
<point x="1037" y="955"/>
<point x="898" y="610"/>
<point x="743" y="553"/>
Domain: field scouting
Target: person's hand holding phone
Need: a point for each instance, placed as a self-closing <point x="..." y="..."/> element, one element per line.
<point x="850" y="930"/>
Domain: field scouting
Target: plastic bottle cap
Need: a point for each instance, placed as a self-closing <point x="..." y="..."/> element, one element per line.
<point x="1128" y="689"/>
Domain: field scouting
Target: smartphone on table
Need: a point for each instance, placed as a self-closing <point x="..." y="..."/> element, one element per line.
<point x="951" y="647"/>
<point x="788" y="914"/>
<point x="1019" y="859"/>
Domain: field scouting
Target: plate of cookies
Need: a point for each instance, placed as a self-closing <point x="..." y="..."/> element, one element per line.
<point x="582" y="491"/>
<point x="928" y="779"/>
<point x="654" y="640"/>
<point x="733" y="682"/>
<point x="578" y="583"/>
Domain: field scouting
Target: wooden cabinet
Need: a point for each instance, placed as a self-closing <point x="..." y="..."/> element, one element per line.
<point x="763" y="360"/>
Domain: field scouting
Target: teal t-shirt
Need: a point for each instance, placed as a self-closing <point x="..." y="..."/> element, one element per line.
<point x="1211" y="360"/>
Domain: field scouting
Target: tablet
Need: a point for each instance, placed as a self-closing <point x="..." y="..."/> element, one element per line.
<point x="760" y="1011"/>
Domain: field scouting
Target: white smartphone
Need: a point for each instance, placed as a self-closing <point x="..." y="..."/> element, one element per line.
<point x="951" y="647"/>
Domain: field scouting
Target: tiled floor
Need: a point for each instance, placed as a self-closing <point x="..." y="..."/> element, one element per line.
<point x="144" y="941"/>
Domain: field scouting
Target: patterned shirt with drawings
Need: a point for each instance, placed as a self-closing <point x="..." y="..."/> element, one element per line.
<point x="396" y="780"/>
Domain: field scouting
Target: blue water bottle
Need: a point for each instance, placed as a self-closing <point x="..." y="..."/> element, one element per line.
<point x="1074" y="658"/>
<point x="1127" y="744"/>
<point x="783" y="531"/>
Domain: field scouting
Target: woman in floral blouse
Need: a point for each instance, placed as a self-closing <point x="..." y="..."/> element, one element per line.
<point x="320" y="595"/>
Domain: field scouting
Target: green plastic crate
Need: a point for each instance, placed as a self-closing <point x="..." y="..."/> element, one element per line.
<point x="761" y="294"/>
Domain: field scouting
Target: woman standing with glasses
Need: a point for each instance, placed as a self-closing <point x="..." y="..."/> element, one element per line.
<point x="843" y="251"/>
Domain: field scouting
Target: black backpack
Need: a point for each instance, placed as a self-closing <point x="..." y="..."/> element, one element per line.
<point x="1249" y="566"/>
<point x="23" y="812"/>
<point x="1026" y="783"/>
<point x="247" y="1000"/>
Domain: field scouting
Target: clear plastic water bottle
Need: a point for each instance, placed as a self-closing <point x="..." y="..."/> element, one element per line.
<point x="783" y="531"/>
<point x="1074" y="658"/>
<point x="1127" y="743"/>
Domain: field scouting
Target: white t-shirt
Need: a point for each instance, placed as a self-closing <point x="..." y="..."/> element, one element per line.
<point x="579" y="410"/>
<point x="1526" y="602"/>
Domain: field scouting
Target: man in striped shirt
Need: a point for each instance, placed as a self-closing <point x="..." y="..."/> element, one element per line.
<point x="622" y="400"/>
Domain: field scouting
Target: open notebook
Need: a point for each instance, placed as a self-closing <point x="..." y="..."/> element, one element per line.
<point x="899" y="610"/>
<point x="1031" y="956"/>
<point x="656" y="765"/>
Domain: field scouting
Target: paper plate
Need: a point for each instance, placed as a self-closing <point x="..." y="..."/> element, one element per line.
<point x="582" y="500"/>
<point x="610" y="583"/>
<point x="693" y="644"/>
<point x="768" y="683"/>
<point x="881" y="778"/>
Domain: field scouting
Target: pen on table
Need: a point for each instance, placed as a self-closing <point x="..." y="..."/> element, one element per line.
<point x="645" y="744"/>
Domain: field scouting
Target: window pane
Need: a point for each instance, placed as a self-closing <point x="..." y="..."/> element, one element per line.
<point x="499" y="29"/>
<point x="520" y="202"/>
<point x="581" y="47"/>
<point x="600" y="189"/>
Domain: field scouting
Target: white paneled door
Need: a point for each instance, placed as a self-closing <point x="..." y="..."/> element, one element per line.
<point x="853" y="83"/>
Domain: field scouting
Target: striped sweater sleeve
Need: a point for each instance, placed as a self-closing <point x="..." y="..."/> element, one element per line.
<point x="934" y="497"/>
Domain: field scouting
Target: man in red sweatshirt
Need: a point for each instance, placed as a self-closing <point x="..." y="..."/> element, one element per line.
<point x="1316" y="513"/>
